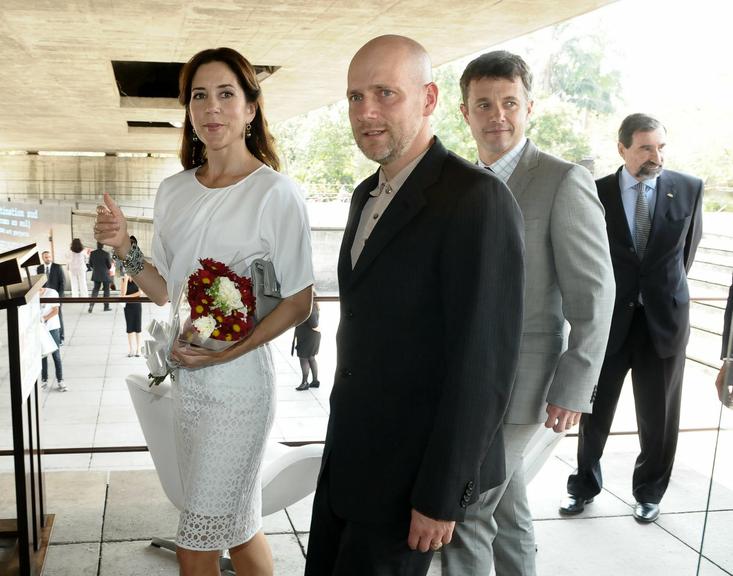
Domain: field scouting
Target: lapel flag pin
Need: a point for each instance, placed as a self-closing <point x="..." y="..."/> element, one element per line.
<point x="670" y="195"/>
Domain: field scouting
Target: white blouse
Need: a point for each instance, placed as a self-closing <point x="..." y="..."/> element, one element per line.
<point x="261" y="216"/>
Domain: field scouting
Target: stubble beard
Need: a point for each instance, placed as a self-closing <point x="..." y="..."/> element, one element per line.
<point x="383" y="155"/>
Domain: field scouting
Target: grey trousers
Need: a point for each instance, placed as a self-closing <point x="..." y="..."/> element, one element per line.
<point x="498" y="527"/>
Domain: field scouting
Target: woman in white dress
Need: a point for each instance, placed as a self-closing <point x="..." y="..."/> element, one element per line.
<point x="229" y="204"/>
<point x="78" y="269"/>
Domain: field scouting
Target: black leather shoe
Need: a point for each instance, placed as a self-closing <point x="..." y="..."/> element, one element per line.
<point x="303" y="386"/>
<point x="646" y="512"/>
<point x="572" y="505"/>
<point x="315" y="384"/>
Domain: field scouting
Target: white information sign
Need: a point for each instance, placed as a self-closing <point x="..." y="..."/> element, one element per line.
<point x="29" y="336"/>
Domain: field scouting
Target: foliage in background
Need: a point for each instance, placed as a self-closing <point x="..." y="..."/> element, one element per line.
<point x="320" y="153"/>
<point x="575" y="73"/>
<point x="571" y="89"/>
<point x="554" y="129"/>
<point x="447" y="120"/>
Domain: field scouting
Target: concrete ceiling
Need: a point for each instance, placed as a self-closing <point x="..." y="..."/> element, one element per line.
<point x="58" y="89"/>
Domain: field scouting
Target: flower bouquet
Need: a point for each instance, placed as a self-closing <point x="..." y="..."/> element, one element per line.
<point x="214" y="310"/>
<point x="218" y="309"/>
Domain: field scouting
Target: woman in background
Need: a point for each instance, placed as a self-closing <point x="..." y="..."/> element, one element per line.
<point x="78" y="269"/>
<point x="133" y="315"/>
<point x="307" y="341"/>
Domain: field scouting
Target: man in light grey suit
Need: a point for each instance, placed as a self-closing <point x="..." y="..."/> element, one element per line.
<point x="569" y="278"/>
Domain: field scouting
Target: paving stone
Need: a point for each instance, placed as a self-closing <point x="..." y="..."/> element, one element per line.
<point x="717" y="545"/>
<point x="276" y="523"/>
<point x="77" y="500"/>
<point x="72" y="560"/>
<point x="137" y="507"/>
<point x="611" y="547"/>
<point x="286" y="554"/>
<point x="137" y="558"/>
<point x="300" y="514"/>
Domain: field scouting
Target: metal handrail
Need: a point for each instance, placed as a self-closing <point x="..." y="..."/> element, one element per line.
<point x="319" y="298"/>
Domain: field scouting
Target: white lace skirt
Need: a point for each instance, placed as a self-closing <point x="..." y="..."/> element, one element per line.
<point x="223" y="418"/>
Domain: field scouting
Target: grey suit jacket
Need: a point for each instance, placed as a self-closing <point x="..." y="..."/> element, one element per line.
<point x="569" y="277"/>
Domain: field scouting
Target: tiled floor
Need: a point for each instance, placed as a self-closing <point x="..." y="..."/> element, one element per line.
<point x="108" y="506"/>
<point x="104" y="521"/>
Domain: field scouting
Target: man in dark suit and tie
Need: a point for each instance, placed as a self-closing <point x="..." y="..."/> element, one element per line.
<point x="431" y="286"/>
<point x="654" y="224"/>
<point x="101" y="264"/>
<point x="56" y="280"/>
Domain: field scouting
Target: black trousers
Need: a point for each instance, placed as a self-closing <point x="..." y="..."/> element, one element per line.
<point x="340" y="547"/>
<point x="95" y="293"/>
<point x="657" y="384"/>
<point x="61" y="321"/>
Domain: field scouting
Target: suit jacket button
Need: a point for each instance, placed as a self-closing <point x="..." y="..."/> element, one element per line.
<point x="345" y="372"/>
<point x="631" y="304"/>
<point x="349" y="313"/>
<point x="631" y="249"/>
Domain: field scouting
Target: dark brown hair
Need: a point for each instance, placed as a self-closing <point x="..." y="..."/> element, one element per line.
<point x="497" y="64"/>
<point x="260" y="143"/>
<point x="634" y="123"/>
<point x="76" y="245"/>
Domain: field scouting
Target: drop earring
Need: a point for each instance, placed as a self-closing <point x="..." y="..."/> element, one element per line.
<point x="248" y="130"/>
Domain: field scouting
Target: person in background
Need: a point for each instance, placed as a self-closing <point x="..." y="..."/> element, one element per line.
<point x="50" y="317"/>
<point x="78" y="269"/>
<point x="654" y="224"/>
<point x="55" y="279"/>
<point x="307" y="342"/>
<point x="133" y="315"/>
<point x="724" y="355"/>
<point x="101" y="263"/>
<point x="569" y="280"/>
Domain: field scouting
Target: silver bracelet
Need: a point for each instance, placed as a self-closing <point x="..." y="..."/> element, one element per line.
<point x="134" y="262"/>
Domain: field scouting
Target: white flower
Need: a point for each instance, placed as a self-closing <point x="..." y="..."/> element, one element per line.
<point x="226" y="295"/>
<point x="204" y="326"/>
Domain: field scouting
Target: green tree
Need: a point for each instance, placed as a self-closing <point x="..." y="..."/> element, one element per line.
<point x="447" y="120"/>
<point x="575" y="74"/>
<point x="320" y="152"/>
<point x="553" y="131"/>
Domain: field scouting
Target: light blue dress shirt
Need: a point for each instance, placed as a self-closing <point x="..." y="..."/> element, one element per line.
<point x="628" y="197"/>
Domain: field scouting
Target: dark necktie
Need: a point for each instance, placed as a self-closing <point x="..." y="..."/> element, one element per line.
<point x="642" y="220"/>
<point x="47" y="269"/>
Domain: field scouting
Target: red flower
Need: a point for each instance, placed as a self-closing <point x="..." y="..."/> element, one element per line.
<point x="234" y="326"/>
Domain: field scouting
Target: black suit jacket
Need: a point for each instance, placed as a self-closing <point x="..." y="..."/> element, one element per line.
<point x="56" y="279"/>
<point x="727" y="322"/>
<point x="661" y="277"/>
<point x="427" y="345"/>
<point x="101" y="263"/>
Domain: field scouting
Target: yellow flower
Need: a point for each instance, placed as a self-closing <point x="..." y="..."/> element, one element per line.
<point x="205" y="281"/>
<point x="199" y="309"/>
<point x="228" y="337"/>
<point x="236" y="328"/>
<point x="216" y="332"/>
